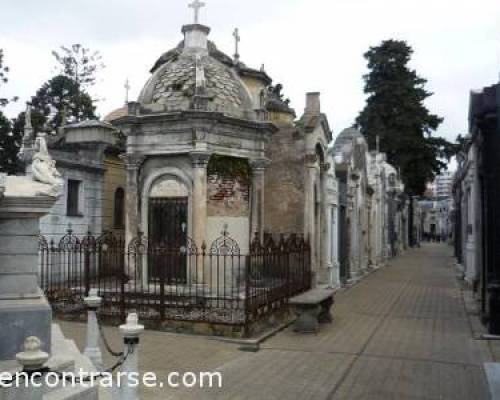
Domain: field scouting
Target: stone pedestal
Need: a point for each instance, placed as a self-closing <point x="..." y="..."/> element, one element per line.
<point x="24" y="311"/>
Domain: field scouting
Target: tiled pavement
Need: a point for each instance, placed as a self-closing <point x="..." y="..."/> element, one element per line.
<point x="401" y="333"/>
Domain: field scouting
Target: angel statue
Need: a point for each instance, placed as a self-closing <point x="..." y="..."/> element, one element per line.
<point x="44" y="167"/>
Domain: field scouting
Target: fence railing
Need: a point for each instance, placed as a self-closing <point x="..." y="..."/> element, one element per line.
<point x="175" y="281"/>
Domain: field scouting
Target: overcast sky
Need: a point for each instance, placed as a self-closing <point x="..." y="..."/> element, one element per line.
<point x="308" y="45"/>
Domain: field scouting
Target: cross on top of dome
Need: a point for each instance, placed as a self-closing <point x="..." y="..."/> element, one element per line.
<point x="196" y="5"/>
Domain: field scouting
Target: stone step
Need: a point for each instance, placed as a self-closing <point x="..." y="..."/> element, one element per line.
<point x="73" y="393"/>
<point x="492" y="371"/>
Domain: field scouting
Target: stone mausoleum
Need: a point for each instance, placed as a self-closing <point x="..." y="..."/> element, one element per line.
<point x="209" y="146"/>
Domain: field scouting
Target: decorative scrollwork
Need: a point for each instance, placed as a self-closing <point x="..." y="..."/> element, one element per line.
<point x="256" y="245"/>
<point x="69" y="242"/>
<point x="190" y="248"/>
<point x="139" y="244"/>
<point x="108" y="240"/>
<point x="43" y="245"/>
<point x="269" y="244"/>
<point x="225" y="245"/>
<point x="88" y="243"/>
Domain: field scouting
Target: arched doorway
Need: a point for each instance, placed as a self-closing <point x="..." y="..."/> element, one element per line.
<point x="167" y="230"/>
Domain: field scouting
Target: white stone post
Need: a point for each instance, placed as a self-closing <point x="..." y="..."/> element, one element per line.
<point x="92" y="349"/>
<point x="32" y="360"/>
<point x="130" y="332"/>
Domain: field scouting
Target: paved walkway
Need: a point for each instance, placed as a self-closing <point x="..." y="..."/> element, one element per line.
<point x="401" y="333"/>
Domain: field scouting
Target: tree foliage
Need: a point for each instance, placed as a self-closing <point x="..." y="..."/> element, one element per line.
<point x="62" y="98"/>
<point x="79" y="64"/>
<point x="4" y="72"/>
<point x="9" y="143"/>
<point x="395" y="112"/>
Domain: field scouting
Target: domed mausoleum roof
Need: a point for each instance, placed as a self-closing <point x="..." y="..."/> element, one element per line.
<point x="345" y="137"/>
<point x="196" y="69"/>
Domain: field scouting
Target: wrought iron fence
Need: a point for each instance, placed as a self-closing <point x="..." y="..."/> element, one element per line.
<point x="182" y="281"/>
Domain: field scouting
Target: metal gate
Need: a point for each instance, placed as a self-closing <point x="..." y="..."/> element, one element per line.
<point x="167" y="237"/>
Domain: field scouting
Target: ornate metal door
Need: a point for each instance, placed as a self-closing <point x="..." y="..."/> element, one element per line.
<point x="167" y="237"/>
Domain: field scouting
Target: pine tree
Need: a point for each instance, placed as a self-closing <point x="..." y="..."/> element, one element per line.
<point x="79" y="64"/>
<point x="9" y="143"/>
<point x="395" y="112"/>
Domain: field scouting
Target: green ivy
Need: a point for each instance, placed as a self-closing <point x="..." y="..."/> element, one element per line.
<point x="230" y="167"/>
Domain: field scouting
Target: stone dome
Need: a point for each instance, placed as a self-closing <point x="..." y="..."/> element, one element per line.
<point x="345" y="137"/>
<point x="116" y="114"/>
<point x="189" y="71"/>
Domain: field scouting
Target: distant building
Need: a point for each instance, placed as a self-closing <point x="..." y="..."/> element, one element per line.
<point x="441" y="186"/>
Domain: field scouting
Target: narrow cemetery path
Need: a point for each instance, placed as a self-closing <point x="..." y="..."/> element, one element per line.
<point x="401" y="333"/>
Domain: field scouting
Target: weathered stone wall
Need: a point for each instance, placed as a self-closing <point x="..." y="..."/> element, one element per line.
<point x="227" y="196"/>
<point x="55" y="225"/>
<point x="114" y="178"/>
<point x="284" y="182"/>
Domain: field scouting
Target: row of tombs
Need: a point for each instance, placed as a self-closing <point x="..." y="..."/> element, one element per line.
<point x="211" y="146"/>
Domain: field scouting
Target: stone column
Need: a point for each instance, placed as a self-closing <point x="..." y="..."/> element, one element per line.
<point x="258" y="181"/>
<point x="199" y="202"/>
<point x="309" y="212"/>
<point x="325" y="227"/>
<point x="133" y="164"/>
<point x="355" y="229"/>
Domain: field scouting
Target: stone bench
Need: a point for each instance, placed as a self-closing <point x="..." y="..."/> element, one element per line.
<point x="312" y="308"/>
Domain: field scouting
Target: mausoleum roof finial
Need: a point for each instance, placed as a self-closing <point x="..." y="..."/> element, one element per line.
<point x="237" y="39"/>
<point x="127" y="90"/>
<point x="196" y="5"/>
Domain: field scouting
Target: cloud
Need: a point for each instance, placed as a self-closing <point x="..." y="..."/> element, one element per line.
<point x="307" y="45"/>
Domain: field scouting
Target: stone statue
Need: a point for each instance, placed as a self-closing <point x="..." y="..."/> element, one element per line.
<point x="44" y="167"/>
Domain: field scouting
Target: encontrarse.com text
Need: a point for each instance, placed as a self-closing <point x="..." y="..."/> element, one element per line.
<point x="109" y="380"/>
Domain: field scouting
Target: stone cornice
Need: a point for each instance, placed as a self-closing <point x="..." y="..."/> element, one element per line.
<point x="81" y="166"/>
<point x="194" y="115"/>
<point x="26" y="207"/>
<point x="259" y="164"/>
<point x="133" y="161"/>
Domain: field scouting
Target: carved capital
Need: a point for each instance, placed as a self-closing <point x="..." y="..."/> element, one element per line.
<point x="133" y="162"/>
<point x="200" y="159"/>
<point x="311" y="159"/>
<point x="259" y="164"/>
<point x="199" y="135"/>
<point x="325" y="167"/>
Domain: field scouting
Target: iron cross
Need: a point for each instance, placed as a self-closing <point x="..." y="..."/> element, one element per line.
<point x="237" y="40"/>
<point x="196" y="5"/>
